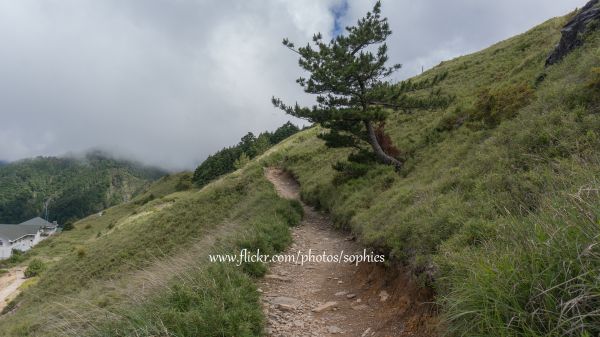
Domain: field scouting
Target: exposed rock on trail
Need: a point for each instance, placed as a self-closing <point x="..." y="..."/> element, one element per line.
<point x="573" y="31"/>
<point x="338" y="299"/>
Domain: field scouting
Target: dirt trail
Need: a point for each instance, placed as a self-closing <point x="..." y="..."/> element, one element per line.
<point x="9" y="285"/>
<point x="337" y="299"/>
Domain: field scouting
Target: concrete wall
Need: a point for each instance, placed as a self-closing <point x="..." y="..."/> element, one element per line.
<point x="5" y="249"/>
<point x="23" y="244"/>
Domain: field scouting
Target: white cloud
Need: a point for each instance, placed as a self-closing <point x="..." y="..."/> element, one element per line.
<point x="426" y="32"/>
<point x="170" y="82"/>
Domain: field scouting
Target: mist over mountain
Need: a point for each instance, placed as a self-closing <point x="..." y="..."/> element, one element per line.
<point x="169" y="83"/>
<point x="69" y="188"/>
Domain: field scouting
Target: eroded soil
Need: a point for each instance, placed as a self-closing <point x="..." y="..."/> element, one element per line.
<point x="338" y="299"/>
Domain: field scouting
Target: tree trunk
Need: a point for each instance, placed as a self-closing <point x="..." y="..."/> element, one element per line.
<point x="381" y="155"/>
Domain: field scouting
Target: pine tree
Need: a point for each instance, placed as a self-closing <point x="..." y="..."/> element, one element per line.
<point x="353" y="96"/>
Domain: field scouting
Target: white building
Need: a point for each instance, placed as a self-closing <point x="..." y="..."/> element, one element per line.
<point x="24" y="235"/>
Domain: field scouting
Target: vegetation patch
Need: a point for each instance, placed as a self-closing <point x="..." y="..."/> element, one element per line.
<point x="191" y="297"/>
<point x="35" y="268"/>
<point x="484" y="213"/>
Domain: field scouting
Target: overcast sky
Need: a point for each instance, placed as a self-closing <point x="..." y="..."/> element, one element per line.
<point x="169" y="82"/>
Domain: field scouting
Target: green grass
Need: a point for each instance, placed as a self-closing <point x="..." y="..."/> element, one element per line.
<point x="496" y="208"/>
<point x="476" y="185"/>
<point x="539" y="277"/>
<point x="149" y="272"/>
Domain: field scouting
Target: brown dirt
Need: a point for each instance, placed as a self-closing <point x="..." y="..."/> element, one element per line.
<point x="9" y="285"/>
<point x="292" y="291"/>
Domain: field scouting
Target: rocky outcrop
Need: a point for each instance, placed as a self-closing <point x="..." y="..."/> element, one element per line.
<point x="572" y="33"/>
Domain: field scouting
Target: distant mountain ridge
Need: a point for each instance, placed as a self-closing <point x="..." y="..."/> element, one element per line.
<point x="67" y="188"/>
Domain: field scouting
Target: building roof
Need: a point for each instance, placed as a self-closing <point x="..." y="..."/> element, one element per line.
<point x="30" y="227"/>
<point x="38" y="222"/>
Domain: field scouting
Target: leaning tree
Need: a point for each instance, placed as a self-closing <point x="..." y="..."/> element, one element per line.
<point x="348" y="74"/>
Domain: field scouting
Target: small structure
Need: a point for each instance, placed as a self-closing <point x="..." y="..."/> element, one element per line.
<point x="24" y="235"/>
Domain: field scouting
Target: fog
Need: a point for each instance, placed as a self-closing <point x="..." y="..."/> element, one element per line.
<point x="169" y="82"/>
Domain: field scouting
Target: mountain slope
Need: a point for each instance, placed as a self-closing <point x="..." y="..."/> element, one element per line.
<point x="71" y="187"/>
<point x="142" y="266"/>
<point x="513" y="163"/>
<point x="497" y="209"/>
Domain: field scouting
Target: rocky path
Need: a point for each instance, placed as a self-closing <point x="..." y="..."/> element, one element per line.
<point x="331" y="299"/>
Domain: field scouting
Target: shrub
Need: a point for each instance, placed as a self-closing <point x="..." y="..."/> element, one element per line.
<point x="184" y="183"/>
<point x="35" y="267"/>
<point x="495" y="105"/>
<point x="10" y="306"/>
<point x="16" y="256"/>
<point x="452" y="119"/>
<point x="69" y="224"/>
<point x="80" y="251"/>
<point x="146" y="199"/>
<point x="241" y="161"/>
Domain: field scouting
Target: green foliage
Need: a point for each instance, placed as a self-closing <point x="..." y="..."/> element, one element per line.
<point x="594" y="82"/>
<point x="348" y="76"/>
<point x="145" y="199"/>
<point x="216" y="165"/>
<point x="291" y="213"/>
<point x="539" y="273"/>
<point x="158" y="251"/>
<point x="232" y="158"/>
<point x="73" y="188"/>
<point x="10" y="306"/>
<point x="35" y="268"/>
<point x="68" y="224"/>
<point x="218" y="301"/>
<point x="464" y="188"/>
<point x="283" y="132"/>
<point x="498" y="104"/>
<point x="503" y="220"/>
<point x="16" y="256"/>
<point x="184" y="183"/>
<point x="80" y="251"/>
<point x="241" y="161"/>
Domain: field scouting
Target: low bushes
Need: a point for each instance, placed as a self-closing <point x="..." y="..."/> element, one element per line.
<point x="495" y="105"/>
<point x="35" y="267"/>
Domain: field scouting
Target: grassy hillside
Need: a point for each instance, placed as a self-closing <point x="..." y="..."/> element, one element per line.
<point x="73" y="187"/>
<point x="497" y="208"/>
<point x="142" y="267"/>
<point x="497" y="205"/>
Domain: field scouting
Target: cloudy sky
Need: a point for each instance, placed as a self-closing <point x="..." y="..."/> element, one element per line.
<point x="170" y="81"/>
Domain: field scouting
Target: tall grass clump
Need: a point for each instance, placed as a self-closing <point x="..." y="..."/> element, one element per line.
<point x="539" y="276"/>
<point x="216" y="300"/>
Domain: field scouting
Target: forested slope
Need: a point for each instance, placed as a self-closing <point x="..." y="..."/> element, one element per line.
<point x="72" y="188"/>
